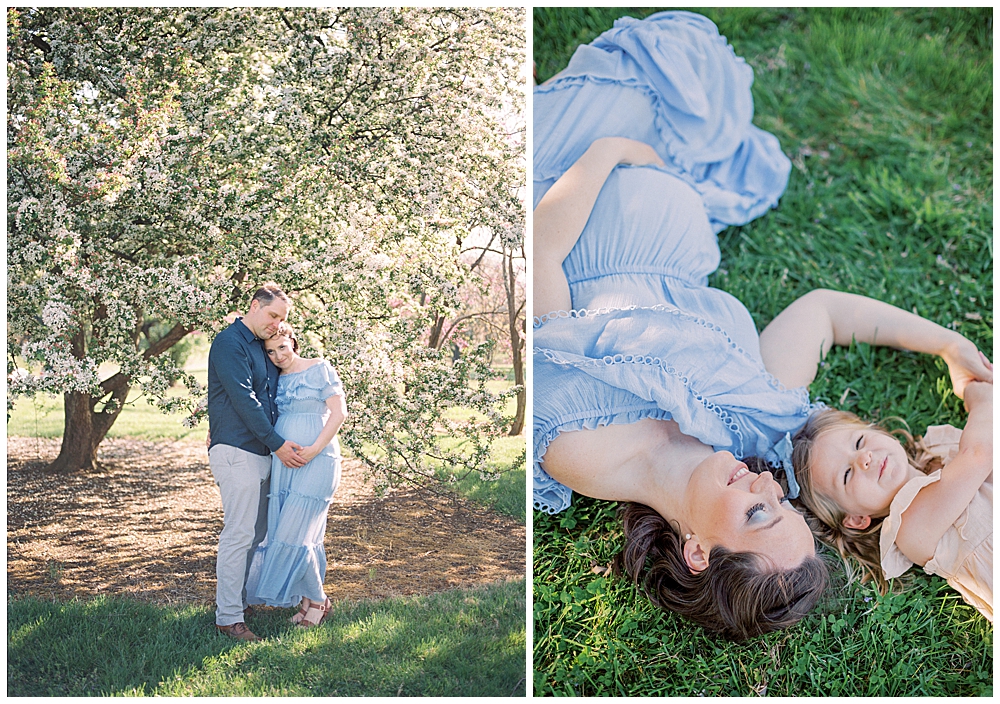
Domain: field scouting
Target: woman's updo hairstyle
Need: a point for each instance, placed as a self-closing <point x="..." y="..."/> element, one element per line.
<point x="737" y="596"/>
<point x="286" y="330"/>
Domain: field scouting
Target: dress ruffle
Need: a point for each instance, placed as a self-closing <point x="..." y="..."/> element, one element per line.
<point x="317" y="382"/>
<point x="671" y="81"/>
<point x="894" y="562"/>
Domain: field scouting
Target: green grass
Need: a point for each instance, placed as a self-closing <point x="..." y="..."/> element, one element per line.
<point x="456" y="643"/>
<point x="42" y="416"/>
<point x="506" y="493"/>
<point x="887" y="116"/>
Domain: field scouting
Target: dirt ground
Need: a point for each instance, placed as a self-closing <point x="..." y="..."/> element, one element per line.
<point x="146" y="525"/>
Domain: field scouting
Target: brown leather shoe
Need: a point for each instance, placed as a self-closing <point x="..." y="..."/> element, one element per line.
<point x="238" y="631"/>
<point x="248" y="613"/>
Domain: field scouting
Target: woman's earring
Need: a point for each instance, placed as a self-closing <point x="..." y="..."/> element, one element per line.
<point x="687" y="537"/>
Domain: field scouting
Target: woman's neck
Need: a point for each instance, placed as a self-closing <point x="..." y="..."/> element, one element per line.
<point x="672" y="459"/>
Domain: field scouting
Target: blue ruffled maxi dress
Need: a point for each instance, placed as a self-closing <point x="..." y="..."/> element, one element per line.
<point x="647" y="337"/>
<point x="291" y="561"/>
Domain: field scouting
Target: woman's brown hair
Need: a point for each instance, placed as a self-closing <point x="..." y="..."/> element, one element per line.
<point x="286" y="330"/>
<point x="858" y="548"/>
<point x="737" y="595"/>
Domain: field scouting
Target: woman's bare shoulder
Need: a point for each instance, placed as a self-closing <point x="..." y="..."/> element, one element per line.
<point x="606" y="462"/>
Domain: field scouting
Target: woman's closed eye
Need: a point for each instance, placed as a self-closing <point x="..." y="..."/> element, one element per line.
<point x="756" y="510"/>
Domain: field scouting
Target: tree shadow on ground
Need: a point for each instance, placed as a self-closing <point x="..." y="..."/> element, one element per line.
<point x="146" y="525"/>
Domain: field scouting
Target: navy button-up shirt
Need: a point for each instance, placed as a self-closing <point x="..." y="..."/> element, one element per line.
<point x="242" y="385"/>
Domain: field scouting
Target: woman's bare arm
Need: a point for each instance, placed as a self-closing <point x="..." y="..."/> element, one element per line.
<point x="939" y="505"/>
<point x="563" y="212"/>
<point x="795" y="342"/>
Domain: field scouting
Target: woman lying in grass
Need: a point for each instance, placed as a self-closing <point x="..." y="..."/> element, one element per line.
<point x="649" y="384"/>
<point x="632" y="392"/>
<point x="889" y="505"/>
<point x="613" y="422"/>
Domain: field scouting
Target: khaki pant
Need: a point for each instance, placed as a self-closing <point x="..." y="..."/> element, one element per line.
<point x="244" y="480"/>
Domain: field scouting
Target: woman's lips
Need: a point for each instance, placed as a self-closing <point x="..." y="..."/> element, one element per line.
<point x="738" y="473"/>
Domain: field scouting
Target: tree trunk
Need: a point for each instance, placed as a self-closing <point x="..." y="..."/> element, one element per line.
<point x="434" y="340"/>
<point x="516" y="345"/>
<point x="84" y="427"/>
<point x="78" y="450"/>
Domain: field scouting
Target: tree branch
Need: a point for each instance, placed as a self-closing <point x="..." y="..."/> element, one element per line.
<point x="175" y="335"/>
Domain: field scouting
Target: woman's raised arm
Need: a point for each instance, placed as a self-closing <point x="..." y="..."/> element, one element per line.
<point x="563" y="212"/>
<point x="795" y="341"/>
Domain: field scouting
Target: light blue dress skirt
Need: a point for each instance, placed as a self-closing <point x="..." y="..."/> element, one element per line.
<point x="291" y="561"/>
<point x="647" y="337"/>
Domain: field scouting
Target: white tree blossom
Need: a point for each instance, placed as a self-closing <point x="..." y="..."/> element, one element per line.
<point x="162" y="162"/>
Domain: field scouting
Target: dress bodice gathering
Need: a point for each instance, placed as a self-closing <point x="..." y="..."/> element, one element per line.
<point x="302" y="409"/>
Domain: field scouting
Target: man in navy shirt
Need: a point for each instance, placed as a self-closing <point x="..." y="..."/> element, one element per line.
<point x="242" y="385"/>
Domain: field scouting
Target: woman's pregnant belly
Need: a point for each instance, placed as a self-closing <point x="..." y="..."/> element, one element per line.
<point x="304" y="428"/>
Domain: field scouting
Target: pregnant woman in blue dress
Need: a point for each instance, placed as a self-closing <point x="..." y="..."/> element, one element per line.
<point x="650" y="387"/>
<point x="289" y="567"/>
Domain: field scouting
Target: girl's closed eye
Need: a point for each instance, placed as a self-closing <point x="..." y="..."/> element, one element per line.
<point x="857" y="447"/>
<point x="755" y="511"/>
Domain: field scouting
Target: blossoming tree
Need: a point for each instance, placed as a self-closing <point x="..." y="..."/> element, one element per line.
<point x="492" y="308"/>
<point x="163" y="162"/>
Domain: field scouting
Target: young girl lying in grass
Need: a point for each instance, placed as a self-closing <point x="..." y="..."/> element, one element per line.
<point x="890" y="506"/>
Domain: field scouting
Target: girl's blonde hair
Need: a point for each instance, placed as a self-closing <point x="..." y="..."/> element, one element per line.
<point x="859" y="548"/>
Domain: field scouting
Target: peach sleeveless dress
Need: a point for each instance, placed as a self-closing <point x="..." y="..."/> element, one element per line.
<point x="964" y="555"/>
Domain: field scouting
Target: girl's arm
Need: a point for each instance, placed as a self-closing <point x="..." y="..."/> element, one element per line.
<point x="563" y="212"/>
<point x="795" y="341"/>
<point x="939" y="505"/>
<point x="338" y="414"/>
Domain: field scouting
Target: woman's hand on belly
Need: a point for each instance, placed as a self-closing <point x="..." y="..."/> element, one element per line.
<point x="315" y="450"/>
<point x="564" y="210"/>
<point x="308" y="453"/>
<point x="629" y="151"/>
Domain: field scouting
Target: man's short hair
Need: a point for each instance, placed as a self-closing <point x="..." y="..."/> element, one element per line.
<point x="267" y="293"/>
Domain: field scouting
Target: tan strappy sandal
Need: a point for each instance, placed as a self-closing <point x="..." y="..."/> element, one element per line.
<point x="315" y="614"/>
<point x="301" y="613"/>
